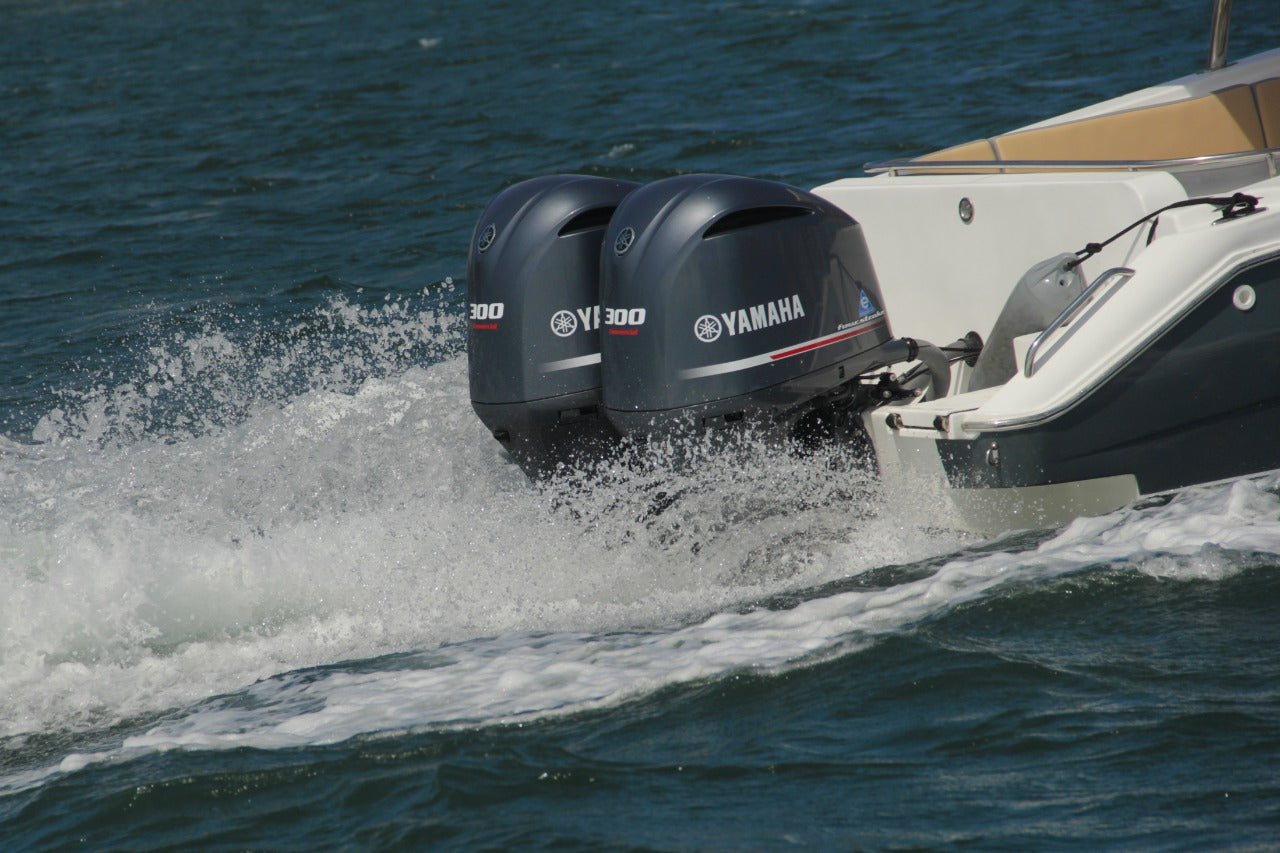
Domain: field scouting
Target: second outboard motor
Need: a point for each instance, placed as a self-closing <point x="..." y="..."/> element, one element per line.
<point x="726" y="299"/>
<point x="533" y="345"/>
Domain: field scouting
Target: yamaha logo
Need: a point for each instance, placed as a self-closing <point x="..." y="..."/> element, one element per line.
<point x="753" y="318"/>
<point x="487" y="238"/>
<point x="706" y="328"/>
<point x="626" y="237"/>
<point x="564" y="324"/>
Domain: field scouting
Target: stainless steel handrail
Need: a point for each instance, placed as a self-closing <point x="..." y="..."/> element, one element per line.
<point x="1219" y="28"/>
<point x="1068" y="314"/>
<point x="924" y="166"/>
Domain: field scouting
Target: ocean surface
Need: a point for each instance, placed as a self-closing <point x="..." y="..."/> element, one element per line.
<point x="268" y="583"/>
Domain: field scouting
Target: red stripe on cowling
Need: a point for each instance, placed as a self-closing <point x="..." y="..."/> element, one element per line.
<point x="828" y="342"/>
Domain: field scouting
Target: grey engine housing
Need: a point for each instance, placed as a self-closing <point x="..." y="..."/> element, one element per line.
<point x="535" y="367"/>
<point x="602" y="309"/>
<point x="752" y="297"/>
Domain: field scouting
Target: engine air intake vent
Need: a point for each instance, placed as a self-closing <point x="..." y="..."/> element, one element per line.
<point x="754" y="216"/>
<point x="596" y="217"/>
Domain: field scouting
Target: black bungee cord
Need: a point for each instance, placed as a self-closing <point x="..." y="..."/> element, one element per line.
<point x="1233" y="207"/>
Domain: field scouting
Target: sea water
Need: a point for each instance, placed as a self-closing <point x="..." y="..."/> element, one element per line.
<point x="269" y="584"/>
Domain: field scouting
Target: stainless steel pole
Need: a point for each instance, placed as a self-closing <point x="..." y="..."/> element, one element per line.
<point x="1218" y="31"/>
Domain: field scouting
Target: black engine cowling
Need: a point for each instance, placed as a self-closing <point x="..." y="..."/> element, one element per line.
<point x="533" y="287"/>
<point x="726" y="298"/>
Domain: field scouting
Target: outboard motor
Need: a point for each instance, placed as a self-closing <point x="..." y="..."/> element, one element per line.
<point x="533" y="345"/>
<point x="725" y="299"/>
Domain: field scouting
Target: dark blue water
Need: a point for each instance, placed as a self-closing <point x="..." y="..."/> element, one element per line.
<point x="269" y="584"/>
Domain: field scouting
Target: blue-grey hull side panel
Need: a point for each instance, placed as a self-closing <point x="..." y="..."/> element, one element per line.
<point x="1201" y="404"/>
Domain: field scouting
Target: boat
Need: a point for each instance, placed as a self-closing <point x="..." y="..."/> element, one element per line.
<point x="1055" y="321"/>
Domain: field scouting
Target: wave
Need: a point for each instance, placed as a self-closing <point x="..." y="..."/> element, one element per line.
<point x="1210" y="534"/>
